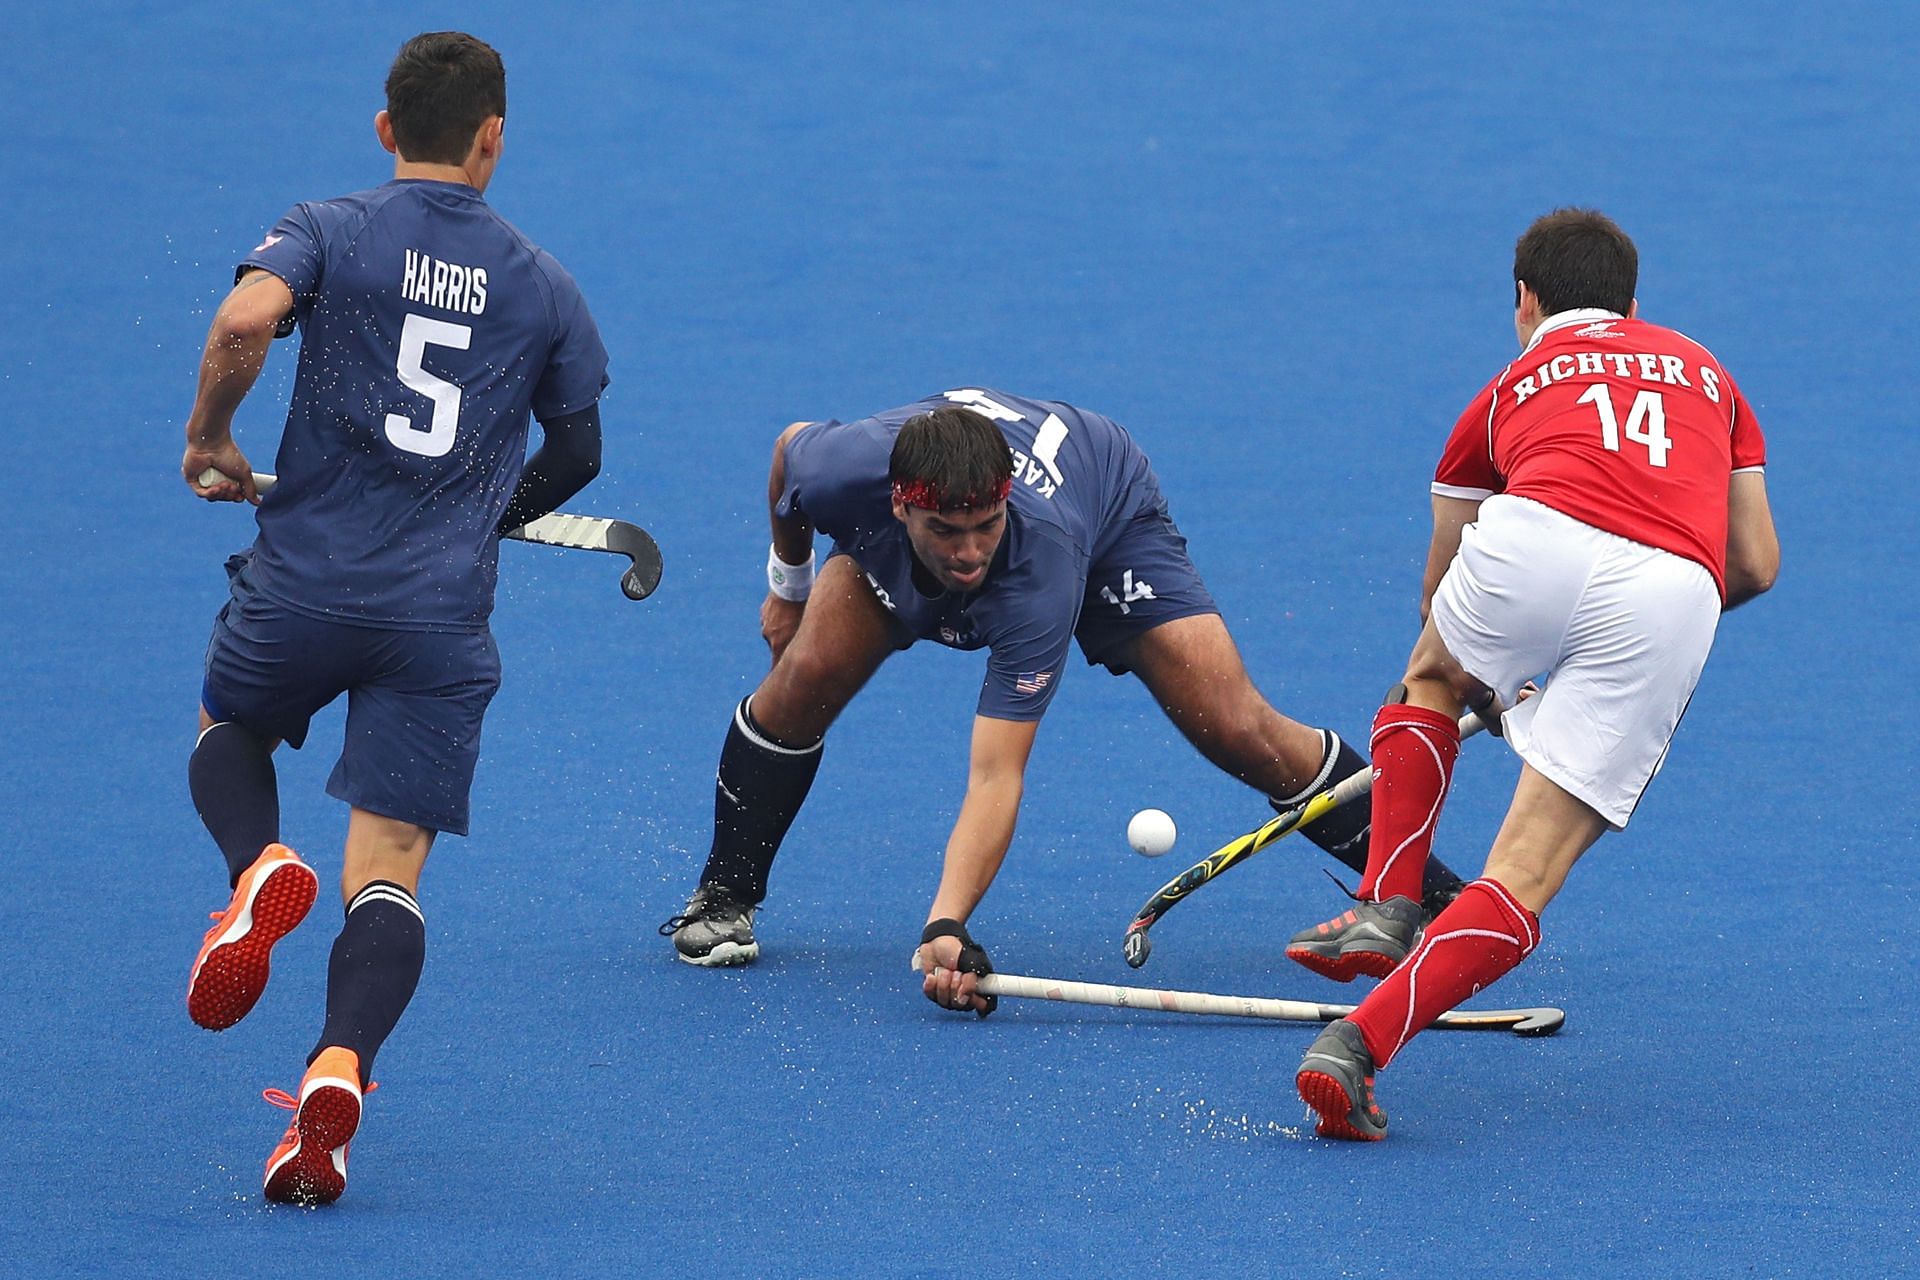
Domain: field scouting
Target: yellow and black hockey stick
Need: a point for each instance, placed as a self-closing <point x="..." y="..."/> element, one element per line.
<point x="1139" y="946"/>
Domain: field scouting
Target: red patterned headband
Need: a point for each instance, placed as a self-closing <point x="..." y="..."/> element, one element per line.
<point x="928" y="496"/>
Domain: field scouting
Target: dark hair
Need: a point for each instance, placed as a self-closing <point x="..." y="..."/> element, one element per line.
<point x="1577" y="258"/>
<point x="950" y="459"/>
<point x="443" y="86"/>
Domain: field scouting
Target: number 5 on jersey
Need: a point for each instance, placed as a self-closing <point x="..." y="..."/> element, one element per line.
<point x="416" y="334"/>
<point x="1646" y="422"/>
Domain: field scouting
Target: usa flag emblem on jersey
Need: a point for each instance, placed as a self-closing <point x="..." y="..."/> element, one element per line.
<point x="1031" y="681"/>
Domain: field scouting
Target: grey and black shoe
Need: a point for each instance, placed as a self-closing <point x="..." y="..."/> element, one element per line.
<point x="1369" y="938"/>
<point x="715" y="929"/>
<point x="1336" y="1080"/>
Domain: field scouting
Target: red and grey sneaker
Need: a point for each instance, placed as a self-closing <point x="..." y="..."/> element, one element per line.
<point x="309" y="1167"/>
<point x="1369" y="938"/>
<point x="1336" y="1080"/>
<point x="272" y="898"/>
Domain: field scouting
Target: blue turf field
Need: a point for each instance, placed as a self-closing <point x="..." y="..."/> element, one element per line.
<point x="1272" y="240"/>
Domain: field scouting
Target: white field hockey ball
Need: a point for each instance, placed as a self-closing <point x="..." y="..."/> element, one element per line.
<point x="1151" y="832"/>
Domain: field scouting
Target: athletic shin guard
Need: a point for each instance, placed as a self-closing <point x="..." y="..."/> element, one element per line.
<point x="757" y="793"/>
<point x="374" y="969"/>
<point x="236" y="791"/>
<point x="1413" y="754"/>
<point x="1467" y="948"/>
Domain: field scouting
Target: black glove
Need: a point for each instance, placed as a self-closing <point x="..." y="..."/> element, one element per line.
<point x="973" y="956"/>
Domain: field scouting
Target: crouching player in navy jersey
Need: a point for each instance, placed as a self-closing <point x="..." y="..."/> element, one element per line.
<point x="430" y="329"/>
<point x="980" y="520"/>
<point x="1599" y="504"/>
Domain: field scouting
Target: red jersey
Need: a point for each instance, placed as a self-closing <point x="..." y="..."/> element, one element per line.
<point x="1621" y="424"/>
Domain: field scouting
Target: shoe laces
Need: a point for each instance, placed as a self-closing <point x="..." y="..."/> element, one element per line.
<point x="287" y="1102"/>
<point x="1353" y="894"/>
<point x="704" y="903"/>
<point x="218" y="918"/>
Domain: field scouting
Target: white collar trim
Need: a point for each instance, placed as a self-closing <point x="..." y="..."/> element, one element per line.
<point x="1561" y="319"/>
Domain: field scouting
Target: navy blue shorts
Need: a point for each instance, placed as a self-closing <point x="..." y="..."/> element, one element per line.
<point x="1140" y="580"/>
<point x="415" y="699"/>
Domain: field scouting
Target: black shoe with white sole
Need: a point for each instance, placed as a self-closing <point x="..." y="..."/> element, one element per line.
<point x="715" y="929"/>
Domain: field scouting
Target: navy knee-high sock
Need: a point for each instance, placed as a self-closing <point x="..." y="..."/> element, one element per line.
<point x="231" y="777"/>
<point x="756" y="795"/>
<point x="374" y="969"/>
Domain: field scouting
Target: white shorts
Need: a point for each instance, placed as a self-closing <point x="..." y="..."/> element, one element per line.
<point x="1622" y="628"/>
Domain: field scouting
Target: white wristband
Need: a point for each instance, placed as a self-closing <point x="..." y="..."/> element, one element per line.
<point x="789" y="581"/>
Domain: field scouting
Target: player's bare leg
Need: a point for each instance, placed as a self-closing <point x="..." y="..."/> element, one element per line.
<point x="1436" y="681"/>
<point x="1194" y="670"/>
<point x="1546" y="831"/>
<point x="382" y="848"/>
<point x="844" y="635"/>
<point x="771" y="754"/>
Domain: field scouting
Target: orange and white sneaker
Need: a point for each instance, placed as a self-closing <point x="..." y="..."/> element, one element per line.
<point x="272" y="898"/>
<point x="309" y="1167"/>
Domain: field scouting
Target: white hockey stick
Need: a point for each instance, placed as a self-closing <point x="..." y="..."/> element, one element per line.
<point x="1523" y="1022"/>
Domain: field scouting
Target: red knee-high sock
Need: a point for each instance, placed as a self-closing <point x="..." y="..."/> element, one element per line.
<point x="1468" y="947"/>
<point x="1413" y="754"/>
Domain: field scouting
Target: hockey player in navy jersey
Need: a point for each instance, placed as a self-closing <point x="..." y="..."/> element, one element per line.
<point x="430" y="331"/>
<point x="980" y="520"/>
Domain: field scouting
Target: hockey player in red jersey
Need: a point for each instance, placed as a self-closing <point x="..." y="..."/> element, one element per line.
<point x="1597" y="507"/>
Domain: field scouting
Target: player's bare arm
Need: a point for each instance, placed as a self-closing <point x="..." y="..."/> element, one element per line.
<point x="983" y="832"/>
<point x="242" y="331"/>
<point x="1753" y="545"/>
<point x="790" y="565"/>
<point x="1450" y="516"/>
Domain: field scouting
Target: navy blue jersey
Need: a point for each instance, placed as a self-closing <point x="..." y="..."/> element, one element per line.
<point x="1078" y="480"/>
<point x="429" y="329"/>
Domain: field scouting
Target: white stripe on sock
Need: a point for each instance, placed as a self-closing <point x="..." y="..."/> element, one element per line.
<point x="381" y="892"/>
<point x="1418" y="958"/>
<point x="1520" y="913"/>
<point x="1330" y="741"/>
<point x="740" y="719"/>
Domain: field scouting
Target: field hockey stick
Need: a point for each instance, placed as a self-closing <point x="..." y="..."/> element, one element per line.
<point x="582" y="533"/>
<point x="1522" y="1022"/>
<point x="1138" y="946"/>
